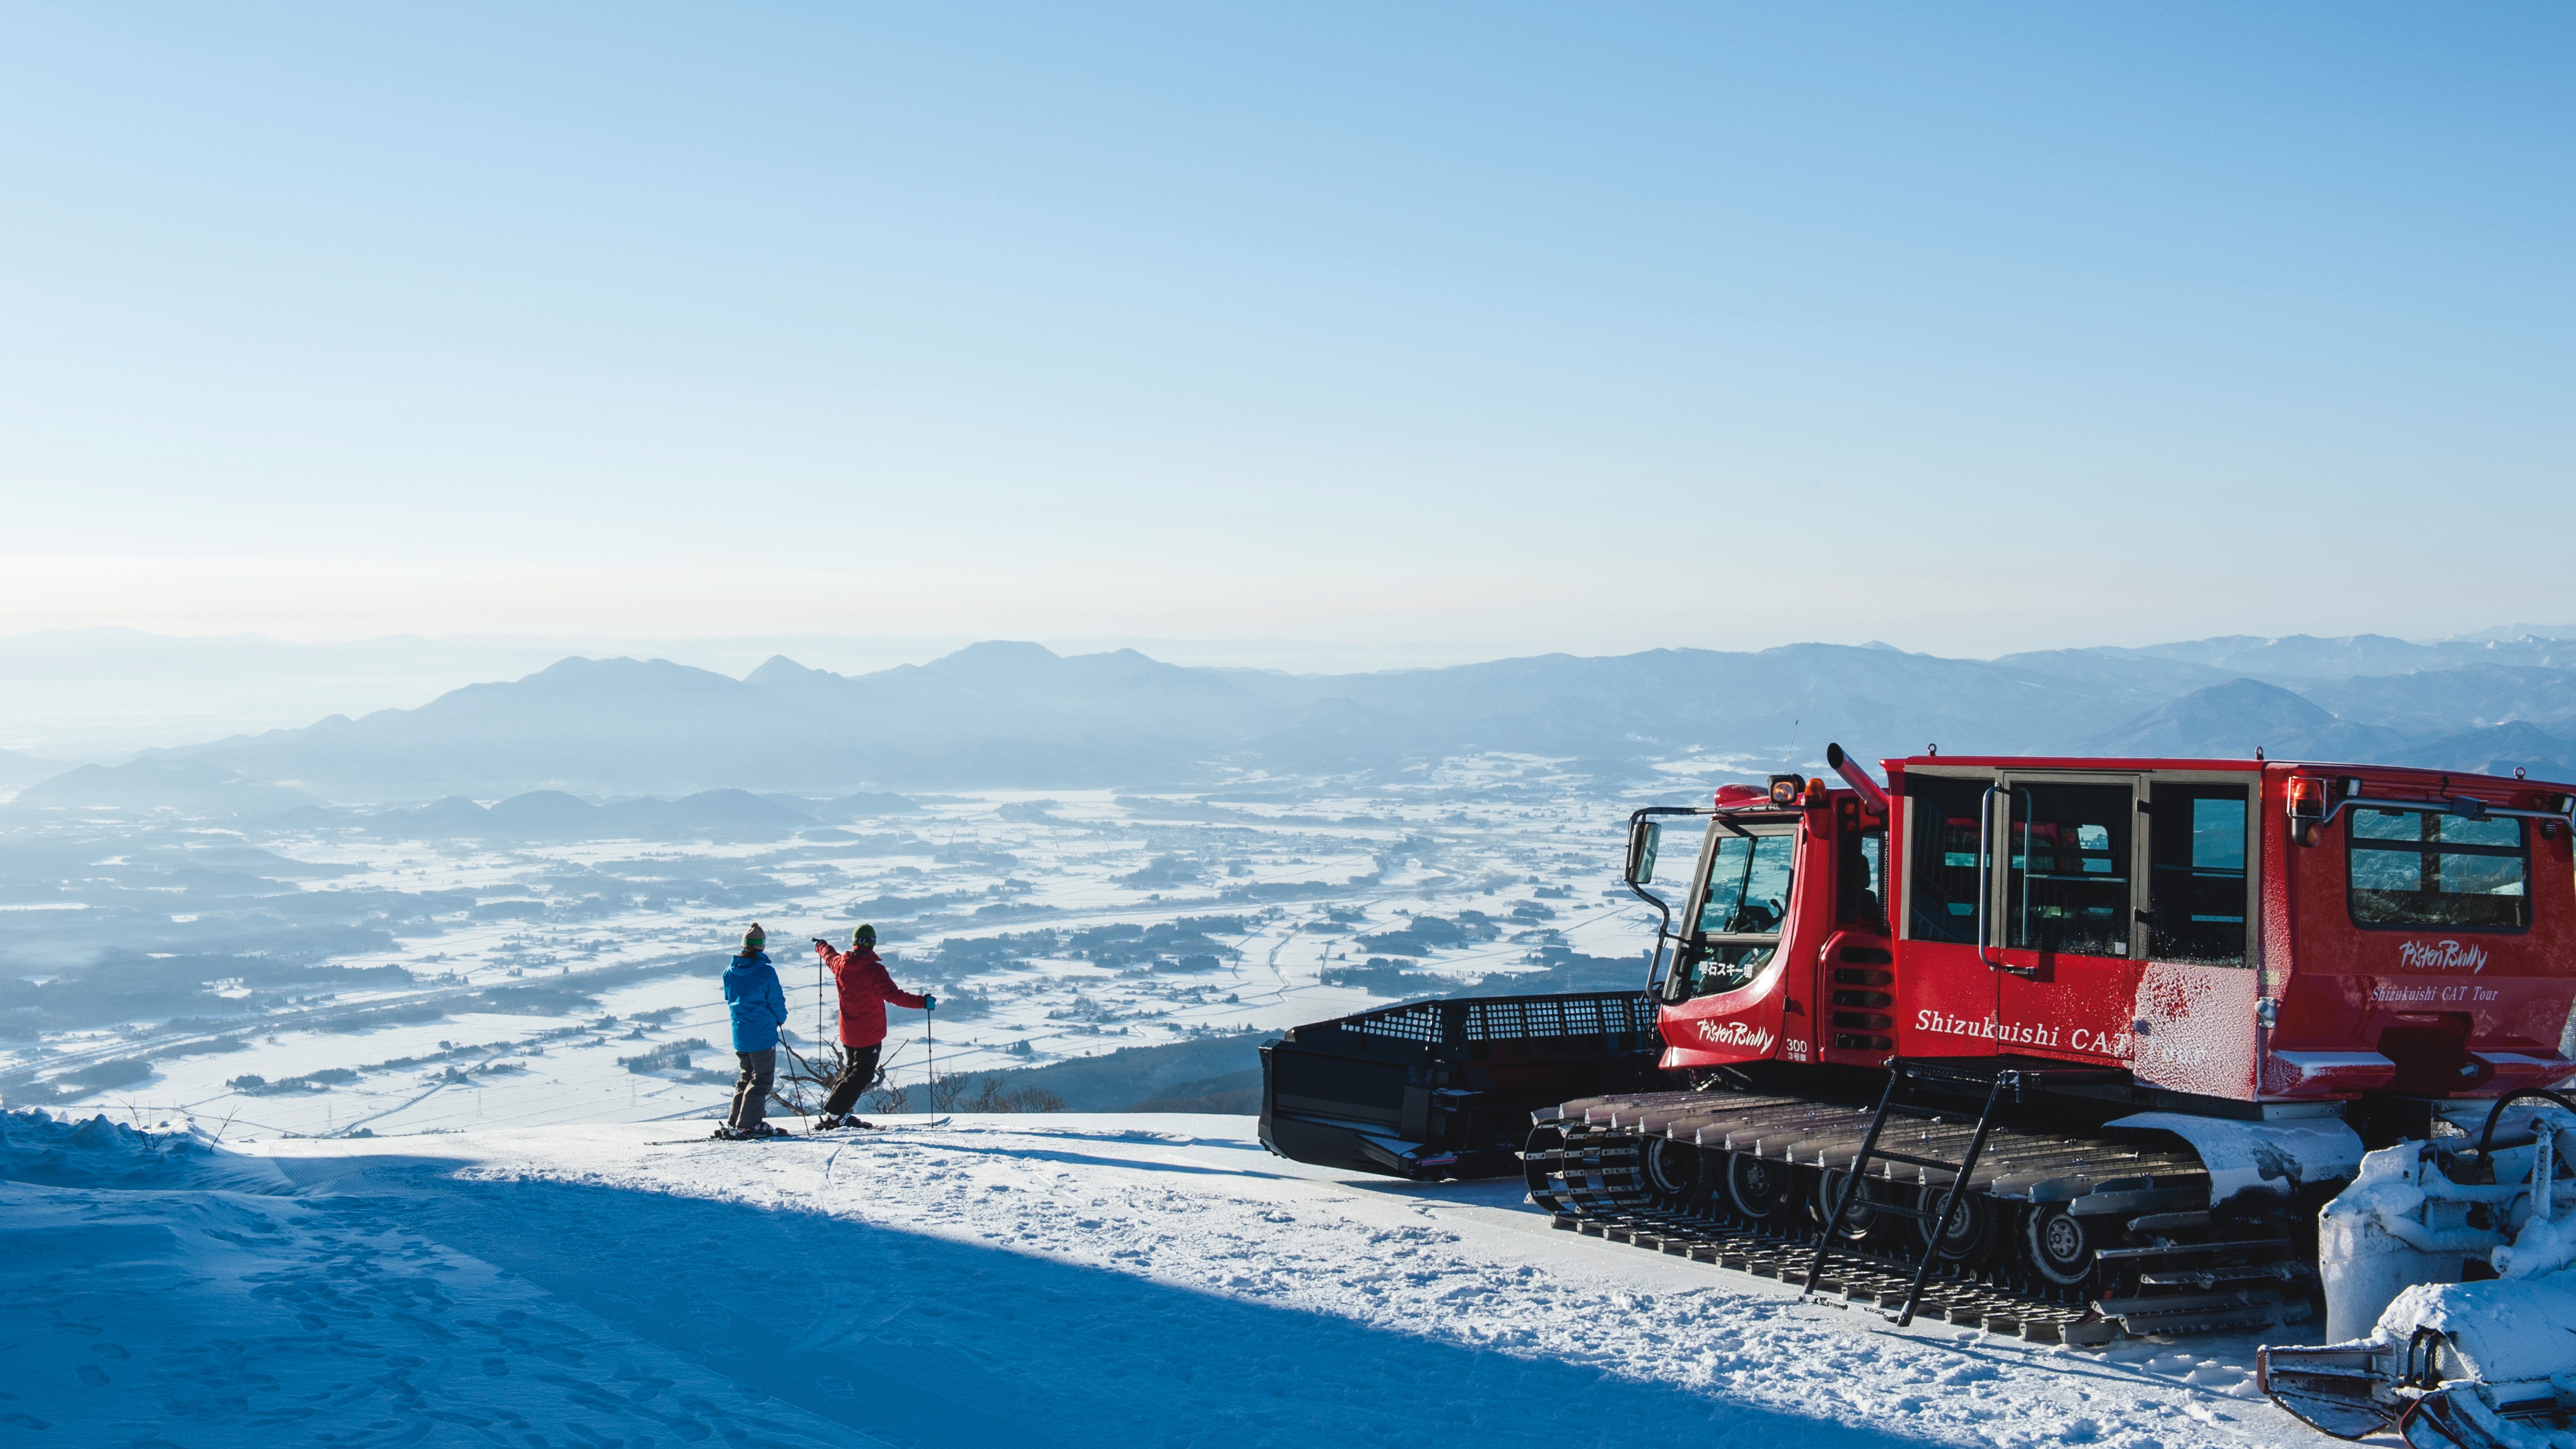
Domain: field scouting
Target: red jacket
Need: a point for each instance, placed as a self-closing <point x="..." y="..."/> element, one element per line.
<point x="865" y="989"/>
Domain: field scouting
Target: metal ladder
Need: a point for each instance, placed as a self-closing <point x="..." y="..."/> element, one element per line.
<point x="2003" y="1084"/>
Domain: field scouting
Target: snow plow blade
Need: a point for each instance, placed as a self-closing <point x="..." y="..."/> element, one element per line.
<point x="2486" y="1364"/>
<point x="2340" y="1389"/>
<point x="1435" y="1089"/>
<point x="2351" y="1390"/>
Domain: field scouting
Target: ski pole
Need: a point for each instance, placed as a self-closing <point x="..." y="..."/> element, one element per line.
<point x="930" y="1054"/>
<point x="810" y="1075"/>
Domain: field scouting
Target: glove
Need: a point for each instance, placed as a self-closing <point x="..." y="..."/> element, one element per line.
<point x="929" y="1002"/>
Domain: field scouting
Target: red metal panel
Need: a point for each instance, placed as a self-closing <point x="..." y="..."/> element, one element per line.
<point x="2355" y="989"/>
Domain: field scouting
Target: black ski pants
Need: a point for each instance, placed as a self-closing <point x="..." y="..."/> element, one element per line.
<point x="854" y="1079"/>
<point x="751" y="1089"/>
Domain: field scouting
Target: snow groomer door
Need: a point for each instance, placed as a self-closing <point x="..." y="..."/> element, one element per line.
<point x="2064" y="939"/>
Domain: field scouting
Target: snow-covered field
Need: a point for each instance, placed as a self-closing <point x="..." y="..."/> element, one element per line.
<point x="1150" y="1280"/>
<point x="515" y="984"/>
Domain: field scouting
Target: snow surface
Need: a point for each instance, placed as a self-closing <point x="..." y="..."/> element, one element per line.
<point x="1058" y="1279"/>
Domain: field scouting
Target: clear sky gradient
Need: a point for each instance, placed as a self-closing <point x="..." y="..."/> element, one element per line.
<point x="1968" y="328"/>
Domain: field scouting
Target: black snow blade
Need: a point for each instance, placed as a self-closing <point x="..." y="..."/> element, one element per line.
<point x="1442" y="1089"/>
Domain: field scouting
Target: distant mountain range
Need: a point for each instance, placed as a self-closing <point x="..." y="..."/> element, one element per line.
<point x="1017" y="715"/>
<point x="78" y="695"/>
<point x="18" y="768"/>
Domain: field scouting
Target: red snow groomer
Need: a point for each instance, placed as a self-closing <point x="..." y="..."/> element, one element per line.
<point x="2058" y="1047"/>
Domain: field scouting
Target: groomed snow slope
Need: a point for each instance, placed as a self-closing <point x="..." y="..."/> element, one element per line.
<point x="1021" y="1280"/>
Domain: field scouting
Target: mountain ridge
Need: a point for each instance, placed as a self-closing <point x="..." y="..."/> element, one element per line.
<point x="1006" y="713"/>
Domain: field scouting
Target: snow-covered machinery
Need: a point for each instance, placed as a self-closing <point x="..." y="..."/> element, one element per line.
<point x="2449" y="1270"/>
<point x="2057" y="1046"/>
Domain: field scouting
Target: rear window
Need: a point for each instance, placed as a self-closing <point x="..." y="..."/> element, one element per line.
<point x="2411" y="869"/>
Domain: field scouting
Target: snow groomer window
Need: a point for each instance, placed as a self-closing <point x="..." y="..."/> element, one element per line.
<point x="1739" y="921"/>
<point x="2196" y="877"/>
<point x="2411" y="869"/>
<point x="2068" y="885"/>
<point x="1944" y="850"/>
<point x="1861" y="863"/>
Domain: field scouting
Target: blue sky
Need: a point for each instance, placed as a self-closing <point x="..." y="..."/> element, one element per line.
<point x="1970" y="328"/>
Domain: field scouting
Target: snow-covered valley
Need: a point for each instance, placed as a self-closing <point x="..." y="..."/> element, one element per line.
<point x="1061" y="1279"/>
<point x="363" y="973"/>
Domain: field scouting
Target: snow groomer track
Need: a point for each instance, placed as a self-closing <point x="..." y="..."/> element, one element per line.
<point x="2062" y="1237"/>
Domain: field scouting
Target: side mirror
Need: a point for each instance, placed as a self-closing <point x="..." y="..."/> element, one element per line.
<point x="1644" y="838"/>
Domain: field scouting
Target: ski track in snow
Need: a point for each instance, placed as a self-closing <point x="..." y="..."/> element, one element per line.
<point x="1057" y="1279"/>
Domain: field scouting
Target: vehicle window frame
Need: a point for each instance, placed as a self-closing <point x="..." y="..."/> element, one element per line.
<point x="1854" y="846"/>
<point x="1699" y="945"/>
<point x="1909" y="883"/>
<point x="2162" y="794"/>
<point x="1907" y="908"/>
<point x="2354" y="841"/>
<point x="2018" y="859"/>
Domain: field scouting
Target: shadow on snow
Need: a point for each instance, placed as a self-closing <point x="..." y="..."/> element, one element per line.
<point x="914" y="1339"/>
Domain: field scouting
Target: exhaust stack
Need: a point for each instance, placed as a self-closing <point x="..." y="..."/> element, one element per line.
<point x="1851" y="770"/>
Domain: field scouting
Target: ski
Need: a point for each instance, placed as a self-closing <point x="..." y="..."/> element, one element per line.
<point x="809" y="1136"/>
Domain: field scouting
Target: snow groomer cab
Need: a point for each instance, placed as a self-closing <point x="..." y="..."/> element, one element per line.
<point x="2250" y="940"/>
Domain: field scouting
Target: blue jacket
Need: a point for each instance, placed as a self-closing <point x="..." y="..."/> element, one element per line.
<point x="759" y="1006"/>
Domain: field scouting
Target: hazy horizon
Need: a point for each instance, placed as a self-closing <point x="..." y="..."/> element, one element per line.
<point x="103" y="695"/>
<point x="1221" y="651"/>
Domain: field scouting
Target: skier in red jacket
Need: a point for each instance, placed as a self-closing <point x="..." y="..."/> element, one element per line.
<point x="865" y="988"/>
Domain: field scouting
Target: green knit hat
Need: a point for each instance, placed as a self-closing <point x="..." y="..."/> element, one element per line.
<point x="865" y="935"/>
<point x="753" y="939"/>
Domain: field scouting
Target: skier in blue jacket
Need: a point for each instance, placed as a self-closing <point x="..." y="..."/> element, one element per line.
<point x="759" y="1008"/>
